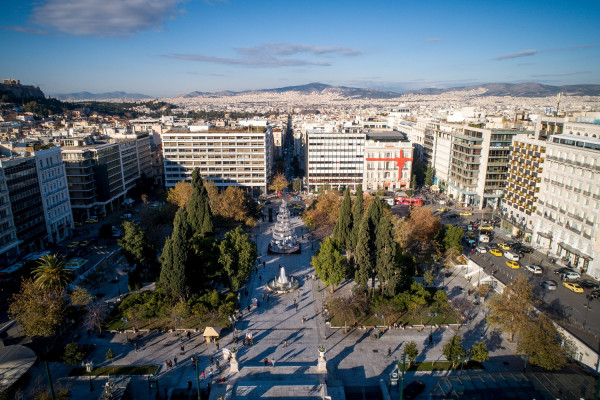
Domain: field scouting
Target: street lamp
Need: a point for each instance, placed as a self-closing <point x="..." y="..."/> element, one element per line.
<point x="126" y="321"/>
<point x="197" y="374"/>
<point x="432" y="316"/>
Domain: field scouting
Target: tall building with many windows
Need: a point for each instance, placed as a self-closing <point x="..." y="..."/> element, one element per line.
<point x="334" y="159"/>
<point x="227" y="156"/>
<point x="388" y="161"/>
<point x="568" y="207"/>
<point x="9" y="243"/>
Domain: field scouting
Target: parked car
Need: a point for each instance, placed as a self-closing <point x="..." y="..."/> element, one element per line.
<point x="513" y="264"/>
<point x="549" y="285"/>
<point x="524" y="249"/>
<point x="504" y="246"/>
<point x="484" y="239"/>
<point x="595" y="294"/>
<point x="536" y="269"/>
<point x="493" y="246"/>
<point x="486" y="228"/>
<point x="573" y="286"/>
<point x="466" y="213"/>
<point x="481" y="249"/>
<point x="589" y="284"/>
<point x="413" y="389"/>
<point x="564" y="270"/>
<point x="571" y="275"/>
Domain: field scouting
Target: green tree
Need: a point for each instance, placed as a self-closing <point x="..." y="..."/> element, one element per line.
<point x="278" y="182"/>
<point x="39" y="312"/>
<point x="51" y="273"/>
<point x="542" y="344"/>
<point x="363" y="255"/>
<point x="342" y="232"/>
<point x="110" y="355"/>
<point x="73" y="354"/>
<point x="329" y="264"/>
<point x="385" y="255"/>
<point x="412" y="351"/>
<point x="345" y="310"/>
<point x="199" y="215"/>
<point x="510" y="310"/>
<point x="357" y="214"/>
<point x="454" y="350"/>
<point x="237" y="254"/>
<point x="428" y="277"/>
<point x="80" y="297"/>
<point x="440" y="302"/>
<point x="429" y="175"/>
<point x="135" y="245"/>
<point x="297" y="185"/>
<point x="174" y="276"/>
<point x="479" y="352"/>
<point x="450" y="237"/>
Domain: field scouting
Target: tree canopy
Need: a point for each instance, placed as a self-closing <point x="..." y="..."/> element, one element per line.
<point x="510" y="310"/>
<point x="329" y="264"/>
<point x="342" y="232"/>
<point x="454" y="350"/>
<point x="279" y="182"/>
<point x="174" y="259"/>
<point x="51" y="273"/>
<point x="237" y="257"/>
<point x="39" y="311"/>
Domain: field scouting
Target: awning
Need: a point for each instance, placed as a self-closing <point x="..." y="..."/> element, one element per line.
<point x="212" y="332"/>
<point x="573" y="250"/>
<point x="547" y="235"/>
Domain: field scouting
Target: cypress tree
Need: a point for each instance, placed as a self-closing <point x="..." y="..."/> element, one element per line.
<point x="199" y="214"/>
<point x="364" y="263"/>
<point x="342" y="232"/>
<point x="175" y="259"/>
<point x="385" y="255"/>
<point x="357" y="215"/>
<point x="372" y="218"/>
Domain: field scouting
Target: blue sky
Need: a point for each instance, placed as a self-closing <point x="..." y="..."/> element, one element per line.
<point x="169" y="47"/>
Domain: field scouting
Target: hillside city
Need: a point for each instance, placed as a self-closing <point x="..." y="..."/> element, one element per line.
<point x="299" y="243"/>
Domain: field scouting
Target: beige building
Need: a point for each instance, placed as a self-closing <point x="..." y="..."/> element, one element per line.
<point x="388" y="161"/>
<point x="227" y="156"/>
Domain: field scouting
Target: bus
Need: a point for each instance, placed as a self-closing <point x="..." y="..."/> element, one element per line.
<point x="409" y="201"/>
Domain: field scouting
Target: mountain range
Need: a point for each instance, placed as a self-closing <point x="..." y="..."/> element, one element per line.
<point x="526" y="89"/>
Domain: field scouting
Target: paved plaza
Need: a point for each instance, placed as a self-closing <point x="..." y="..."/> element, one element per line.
<point x="288" y="338"/>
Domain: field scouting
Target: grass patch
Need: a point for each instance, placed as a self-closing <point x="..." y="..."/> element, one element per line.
<point x="116" y="370"/>
<point x="441" y="366"/>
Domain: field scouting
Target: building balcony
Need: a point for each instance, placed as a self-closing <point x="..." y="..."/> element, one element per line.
<point x="573" y="229"/>
<point x="585" y="235"/>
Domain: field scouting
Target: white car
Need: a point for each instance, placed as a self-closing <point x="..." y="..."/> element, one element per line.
<point x="511" y="256"/>
<point x="481" y="249"/>
<point x="536" y="269"/>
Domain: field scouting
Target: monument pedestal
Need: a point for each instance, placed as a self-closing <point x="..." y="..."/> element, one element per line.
<point x="322" y="365"/>
<point x="234" y="367"/>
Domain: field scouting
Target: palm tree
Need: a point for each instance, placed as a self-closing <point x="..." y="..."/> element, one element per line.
<point x="51" y="273"/>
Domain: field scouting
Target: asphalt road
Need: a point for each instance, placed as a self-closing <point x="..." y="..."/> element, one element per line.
<point x="575" y="311"/>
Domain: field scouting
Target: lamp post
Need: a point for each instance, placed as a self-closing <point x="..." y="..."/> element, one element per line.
<point x="126" y="321"/>
<point x="402" y="375"/>
<point x="432" y="316"/>
<point x="197" y="374"/>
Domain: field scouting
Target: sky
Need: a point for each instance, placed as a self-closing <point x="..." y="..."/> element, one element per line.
<point x="169" y="47"/>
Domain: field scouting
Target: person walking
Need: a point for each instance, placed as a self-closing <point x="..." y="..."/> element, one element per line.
<point x="266" y="361"/>
<point x="175" y="360"/>
<point x="272" y="362"/>
<point x="210" y="372"/>
<point x="217" y="343"/>
<point x="267" y="297"/>
<point x="304" y="319"/>
<point x="296" y="307"/>
<point x="211" y="359"/>
<point x="203" y="375"/>
<point x="285" y="343"/>
<point x="389" y="351"/>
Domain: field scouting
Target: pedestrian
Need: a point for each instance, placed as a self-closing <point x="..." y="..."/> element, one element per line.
<point x="248" y="307"/>
<point x="203" y="375"/>
<point x="263" y="296"/>
<point x="266" y="361"/>
<point x="135" y="346"/>
<point x="303" y="319"/>
<point x="187" y="334"/>
<point x="294" y="301"/>
<point x="211" y="360"/>
<point x="218" y="365"/>
<point x="210" y="372"/>
<point x="389" y="351"/>
<point x="296" y="307"/>
<point x="272" y="362"/>
<point x="263" y="264"/>
<point x="217" y="343"/>
<point x="267" y="297"/>
<point x="260" y="278"/>
<point x="285" y="343"/>
<point x="182" y="349"/>
<point x="175" y="360"/>
<point x="167" y="364"/>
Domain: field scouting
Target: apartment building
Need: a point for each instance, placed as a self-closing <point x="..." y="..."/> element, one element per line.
<point x="388" y="161"/>
<point x="52" y="178"/>
<point x="95" y="176"/>
<point x="568" y="207"/>
<point x="25" y="201"/>
<point x="479" y="165"/>
<point x="334" y="159"/>
<point x="525" y="169"/>
<point x="227" y="156"/>
<point x="9" y="243"/>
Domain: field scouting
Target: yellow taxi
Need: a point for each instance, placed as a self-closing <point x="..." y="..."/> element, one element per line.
<point x="504" y="246"/>
<point x="496" y="252"/>
<point x="442" y="209"/>
<point x="513" y="264"/>
<point x="466" y="213"/>
<point x="573" y="286"/>
<point x="486" y="228"/>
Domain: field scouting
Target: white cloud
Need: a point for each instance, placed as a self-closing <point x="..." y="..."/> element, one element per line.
<point x="103" y="17"/>
<point x="286" y="49"/>
<point x="259" y="62"/>
<point x="523" y="53"/>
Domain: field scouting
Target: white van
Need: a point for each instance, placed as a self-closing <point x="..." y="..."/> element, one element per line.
<point x="484" y="239"/>
<point x="511" y="256"/>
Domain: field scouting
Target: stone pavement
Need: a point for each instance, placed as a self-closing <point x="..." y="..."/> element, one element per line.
<point x="355" y="358"/>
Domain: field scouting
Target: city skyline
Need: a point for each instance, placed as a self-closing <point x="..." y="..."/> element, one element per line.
<point x="171" y="47"/>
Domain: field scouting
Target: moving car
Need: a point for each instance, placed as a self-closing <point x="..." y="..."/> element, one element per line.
<point x="486" y="228"/>
<point x="573" y="286"/>
<point x="496" y="252"/>
<point x="493" y="246"/>
<point x="513" y="264"/>
<point x="536" y="269"/>
<point x="511" y="256"/>
<point x="466" y="213"/>
<point x="442" y="209"/>
<point x="413" y="389"/>
<point x="595" y="294"/>
<point x="481" y="249"/>
<point x="549" y="285"/>
<point x="484" y="239"/>
<point x="523" y="249"/>
<point x="503" y="246"/>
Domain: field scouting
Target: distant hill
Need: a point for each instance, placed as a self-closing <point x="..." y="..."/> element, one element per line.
<point x="101" y="96"/>
<point x="526" y="89"/>
<point x="18" y="92"/>
<point x="310" y="88"/>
